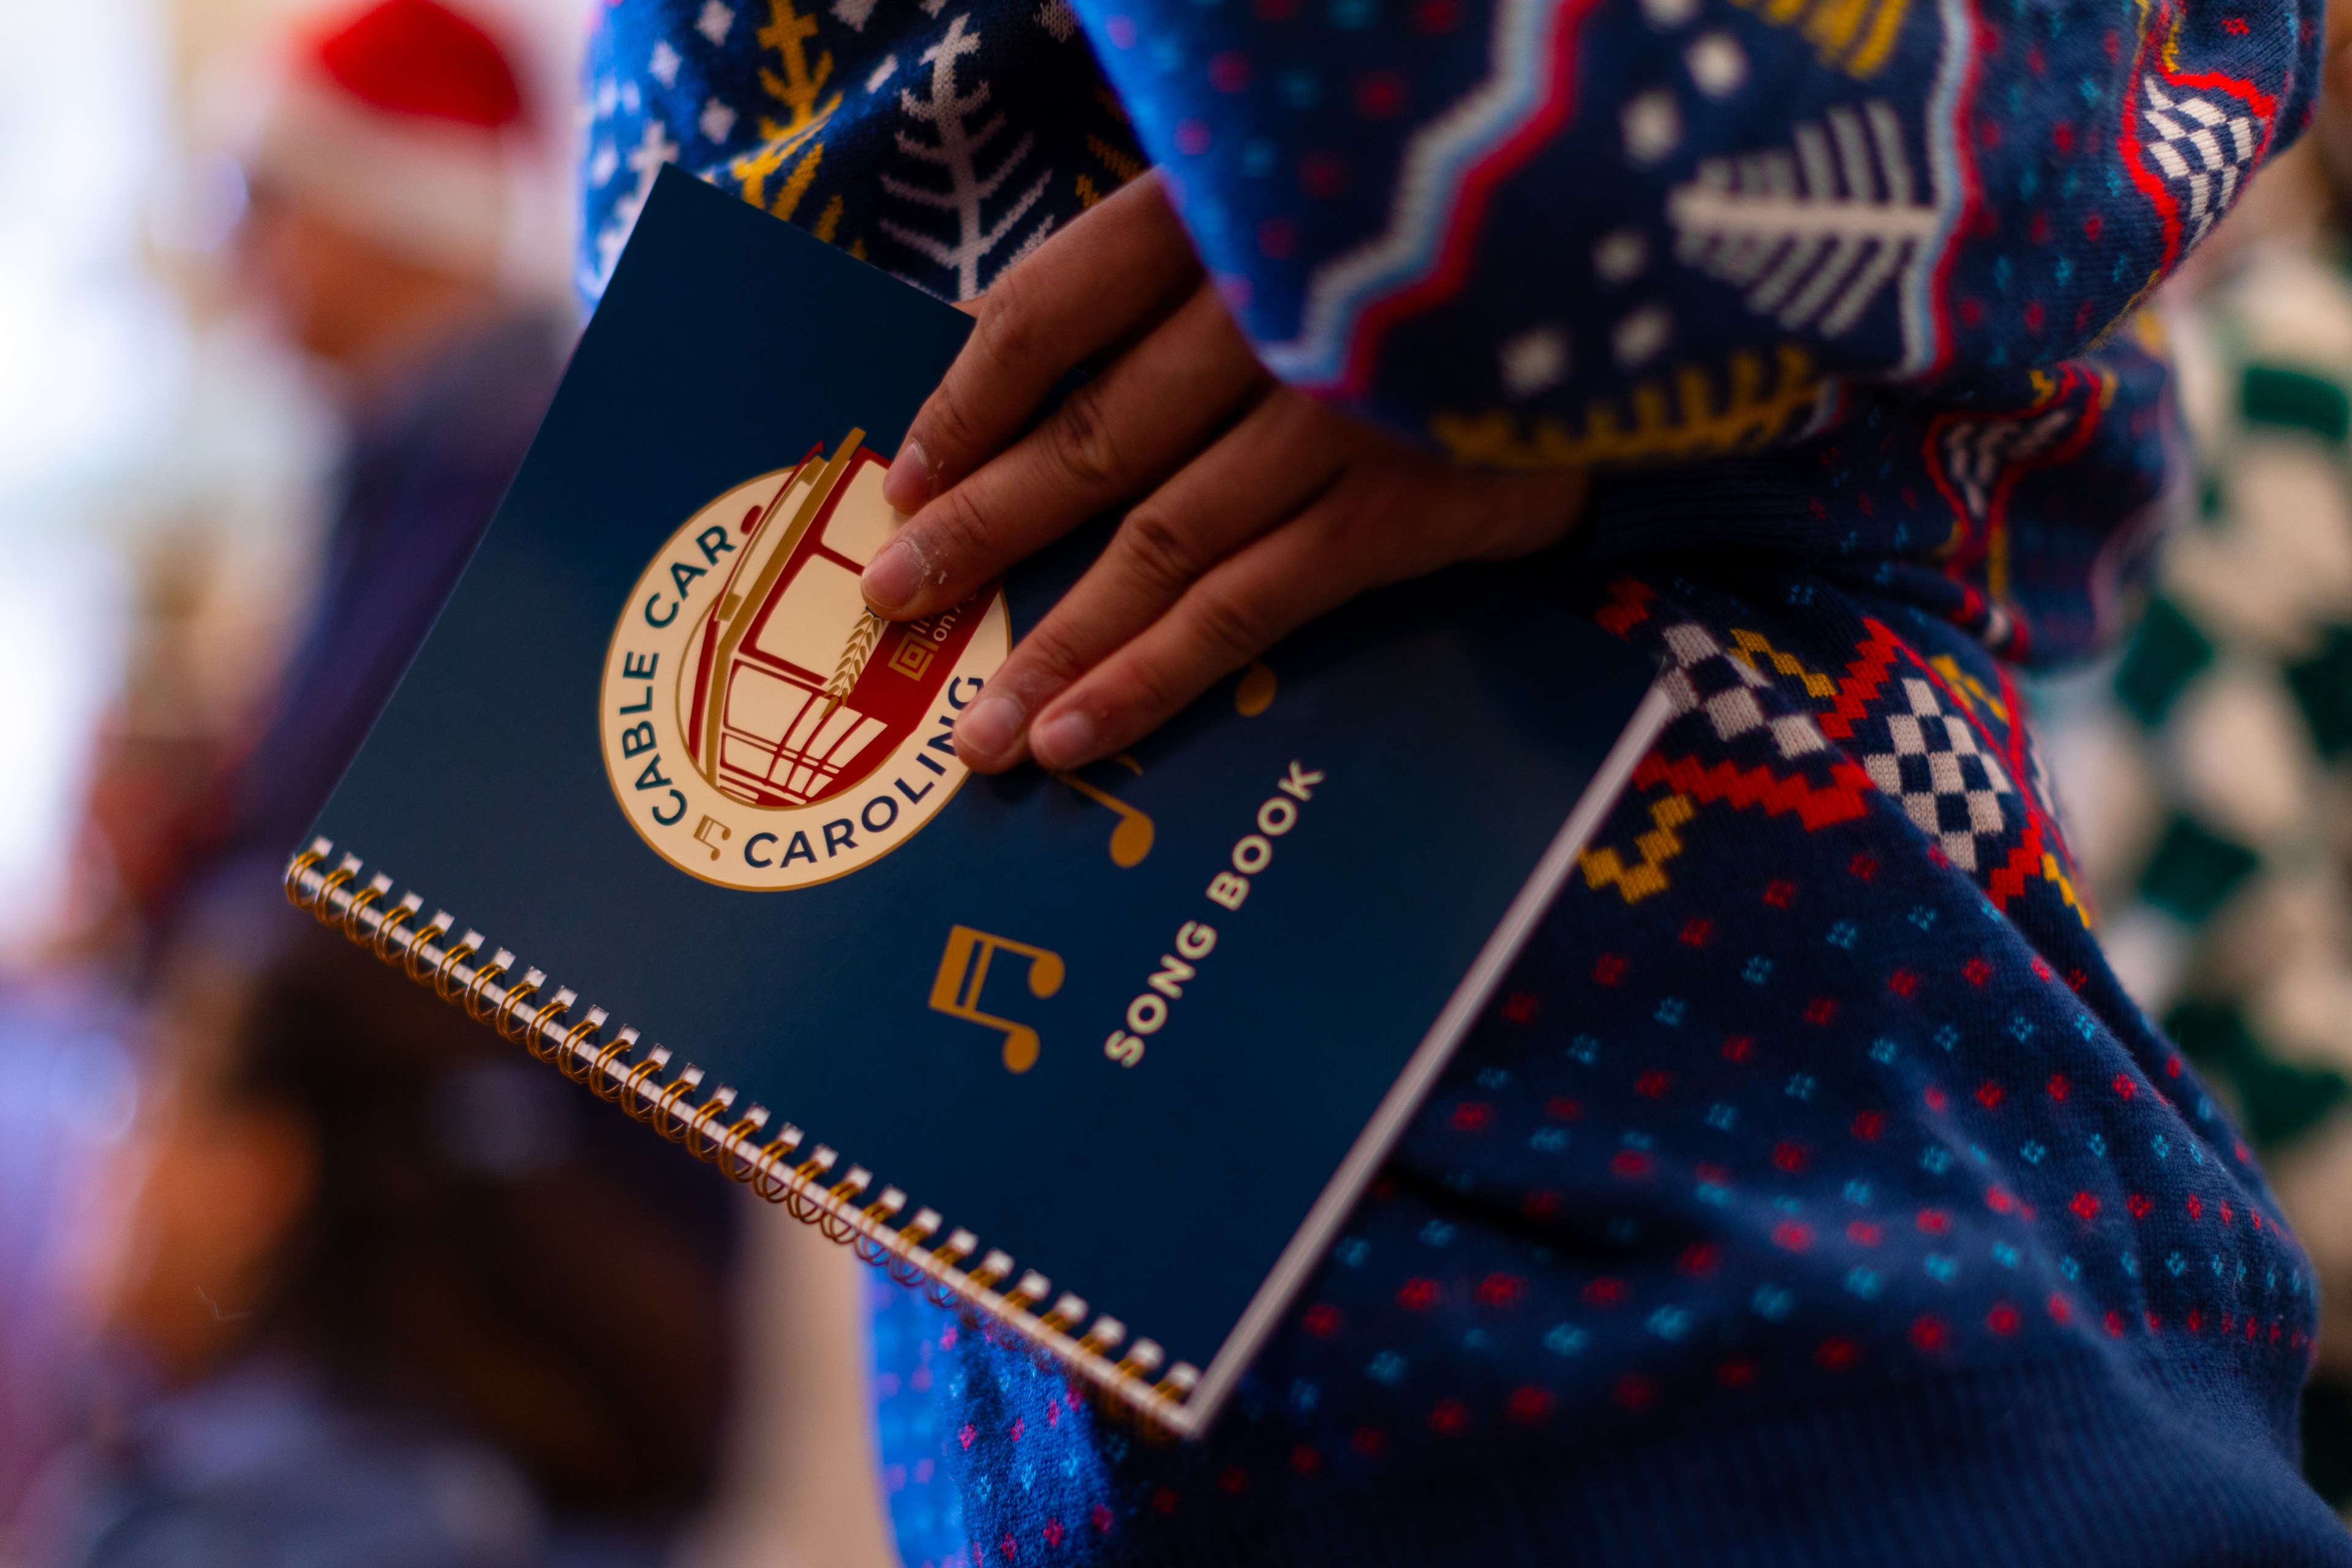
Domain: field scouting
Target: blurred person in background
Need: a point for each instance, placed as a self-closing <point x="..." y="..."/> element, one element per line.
<point x="2213" y="776"/>
<point x="380" y="221"/>
<point x="384" y="179"/>
<point x="382" y="1298"/>
<point x="379" y="1291"/>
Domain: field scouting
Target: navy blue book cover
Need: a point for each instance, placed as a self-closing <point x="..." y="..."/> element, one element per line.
<point x="1104" y="1055"/>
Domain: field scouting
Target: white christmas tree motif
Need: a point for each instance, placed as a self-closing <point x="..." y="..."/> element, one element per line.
<point x="1813" y="234"/>
<point x="956" y="151"/>
<point x="653" y="149"/>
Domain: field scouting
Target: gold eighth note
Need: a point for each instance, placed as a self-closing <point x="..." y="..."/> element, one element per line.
<point x="963" y="972"/>
<point x="1255" y="692"/>
<point x="1130" y="841"/>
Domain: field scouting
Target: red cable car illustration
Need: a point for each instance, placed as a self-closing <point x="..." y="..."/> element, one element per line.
<point x="799" y="690"/>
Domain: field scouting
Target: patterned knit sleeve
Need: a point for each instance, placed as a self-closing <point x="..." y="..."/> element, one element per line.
<point x="1554" y="231"/>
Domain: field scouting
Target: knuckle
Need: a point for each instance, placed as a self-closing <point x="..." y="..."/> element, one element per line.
<point x="956" y="534"/>
<point x="1080" y="443"/>
<point x="1051" y="659"/>
<point x="1231" y="629"/>
<point x="1144" y="695"/>
<point x="1158" y="551"/>
<point x="949" y="431"/>
<point x="1007" y="335"/>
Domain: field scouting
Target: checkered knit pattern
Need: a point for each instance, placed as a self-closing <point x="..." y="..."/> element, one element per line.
<point x="1812" y="1192"/>
<point x="1949" y="788"/>
<point x="2202" y="147"/>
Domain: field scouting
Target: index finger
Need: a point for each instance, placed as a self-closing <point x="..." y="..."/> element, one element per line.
<point x="1117" y="267"/>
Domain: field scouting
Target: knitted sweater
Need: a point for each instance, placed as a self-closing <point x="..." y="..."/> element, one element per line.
<point x="1812" y="1192"/>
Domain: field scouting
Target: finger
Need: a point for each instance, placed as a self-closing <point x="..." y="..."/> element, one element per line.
<point x="1265" y="468"/>
<point x="1110" y="439"/>
<point x="1382" y="525"/>
<point x="1231" y="614"/>
<point x="1090" y="285"/>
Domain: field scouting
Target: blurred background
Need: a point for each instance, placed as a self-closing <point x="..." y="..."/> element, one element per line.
<point x="281" y="297"/>
<point x="283" y="290"/>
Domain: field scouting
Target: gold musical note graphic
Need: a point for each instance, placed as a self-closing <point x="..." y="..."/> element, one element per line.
<point x="963" y="971"/>
<point x="702" y="832"/>
<point x="1254" y="695"/>
<point x="1130" y="841"/>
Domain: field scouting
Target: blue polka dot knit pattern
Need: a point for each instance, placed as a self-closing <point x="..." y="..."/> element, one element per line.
<point x="1810" y="1192"/>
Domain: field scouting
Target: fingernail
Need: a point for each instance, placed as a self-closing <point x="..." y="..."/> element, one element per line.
<point x="908" y="485"/>
<point x="893" y="577"/>
<point x="1063" y="740"/>
<point x="990" y="728"/>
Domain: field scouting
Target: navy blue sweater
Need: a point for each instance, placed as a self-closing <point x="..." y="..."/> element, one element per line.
<point x="1812" y="1193"/>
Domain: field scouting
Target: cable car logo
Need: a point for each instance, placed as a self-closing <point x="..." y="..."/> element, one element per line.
<point x="762" y="728"/>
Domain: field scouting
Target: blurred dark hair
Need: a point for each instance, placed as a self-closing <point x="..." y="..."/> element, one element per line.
<point x="484" y="1242"/>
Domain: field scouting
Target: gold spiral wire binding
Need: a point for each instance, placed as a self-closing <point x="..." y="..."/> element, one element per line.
<point x="730" y="1157"/>
<point x="1029" y="1289"/>
<point x="600" y="1075"/>
<point x="835" y="1227"/>
<point x="485" y="977"/>
<point x="697" y="1127"/>
<point x="294" y="870"/>
<point x="576" y="1062"/>
<point x="950" y="1255"/>
<point x="764" y="1179"/>
<point x="415" y="962"/>
<point x="1178" y="1386"/>
<point x="507" y="1015"/>
<point x="797" y="1202"/>
<point x="633" y="1093"/>
<point x="323" y="906"/>
<point x="904" y="1251"/>
<point x="661" y="1115"/>
<point x="900" y="1265"/>
<point x="389" y="923"/>
<point x="795" y="1196"/>
<point x="354" y="922"/>
<point x="573" y="1047"/>
<point x="542" y="1024"/>
<point x="872" y="1243"/>
<point x="457" y="952"/>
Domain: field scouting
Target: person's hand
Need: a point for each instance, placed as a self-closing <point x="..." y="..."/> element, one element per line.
<point x="1261" y="508"/>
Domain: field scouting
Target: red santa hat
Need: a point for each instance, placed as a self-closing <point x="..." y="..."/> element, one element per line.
<point x="399" y="121"/>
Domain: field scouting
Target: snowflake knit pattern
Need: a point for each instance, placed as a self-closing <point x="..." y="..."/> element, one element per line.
<point x="1812" y="1193"/>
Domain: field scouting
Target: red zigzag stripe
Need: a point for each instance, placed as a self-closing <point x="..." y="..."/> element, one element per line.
<point x="1846" y="797"/>
<point x="1861" y="681"/>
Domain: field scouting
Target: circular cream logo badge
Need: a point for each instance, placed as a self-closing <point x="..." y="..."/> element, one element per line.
<point x="762" y="728"/>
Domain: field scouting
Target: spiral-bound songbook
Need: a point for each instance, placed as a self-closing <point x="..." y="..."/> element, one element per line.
<point x="1105" y="1055"/>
